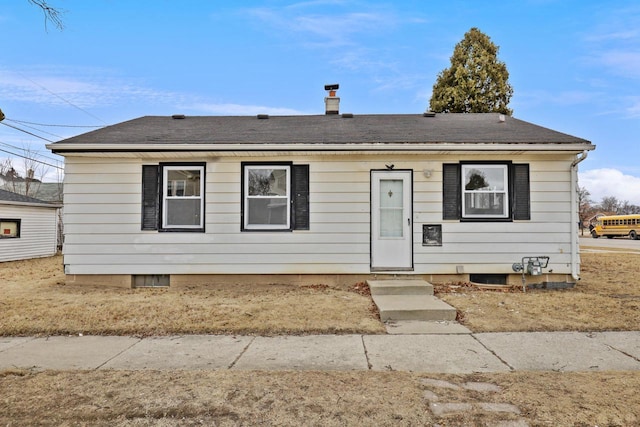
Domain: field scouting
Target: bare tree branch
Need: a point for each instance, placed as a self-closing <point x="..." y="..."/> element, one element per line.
<point x="50" y="13"/>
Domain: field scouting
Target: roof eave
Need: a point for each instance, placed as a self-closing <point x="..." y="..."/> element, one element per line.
<point x="62" y="148"/>
<point x="36" y="205"/>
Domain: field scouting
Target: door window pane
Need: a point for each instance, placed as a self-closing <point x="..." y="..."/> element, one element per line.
<point x="391" y="208"/>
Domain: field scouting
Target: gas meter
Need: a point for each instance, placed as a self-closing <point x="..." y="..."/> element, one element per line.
<point x="531" y="265"/>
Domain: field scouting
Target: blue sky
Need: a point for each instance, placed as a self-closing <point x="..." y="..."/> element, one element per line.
<point x="574" y="65"/>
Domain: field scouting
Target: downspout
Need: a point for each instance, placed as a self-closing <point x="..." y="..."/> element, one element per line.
<point x="575" y="217"/>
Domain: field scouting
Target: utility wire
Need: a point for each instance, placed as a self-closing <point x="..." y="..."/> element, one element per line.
<point x="29" y="151"/>
<point x="32" y="159"/>
<point x="42" y="124"/>
<point x="26" y="131"/>
<point x="60" y="97"/>
<point x="39" y="130"/>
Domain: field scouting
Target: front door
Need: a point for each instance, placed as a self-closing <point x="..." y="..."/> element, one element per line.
<point x="391" y="220"/>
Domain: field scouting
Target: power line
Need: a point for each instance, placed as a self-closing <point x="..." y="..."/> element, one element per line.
<point x="39" y="130"/>
<point x="43" y="124"/>
<point x="29" y="151"/>
<point x="26" y="131"/>
<point x="60" y="97"/>
<point x="32" y="159"/>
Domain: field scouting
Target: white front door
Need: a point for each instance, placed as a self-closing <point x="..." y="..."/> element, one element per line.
<point x="391" y="220"/>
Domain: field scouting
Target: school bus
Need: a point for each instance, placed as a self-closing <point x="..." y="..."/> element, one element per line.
<point x="611" y="226"/>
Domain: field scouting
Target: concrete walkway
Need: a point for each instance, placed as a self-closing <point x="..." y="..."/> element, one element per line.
<point x="483" y="352"/>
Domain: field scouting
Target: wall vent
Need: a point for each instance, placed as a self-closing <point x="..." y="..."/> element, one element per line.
<point x="150" y="281"/>
<point x="489" y="279"/>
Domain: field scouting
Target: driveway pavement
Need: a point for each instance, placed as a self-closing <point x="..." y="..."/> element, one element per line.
<point x="463" y="353"/>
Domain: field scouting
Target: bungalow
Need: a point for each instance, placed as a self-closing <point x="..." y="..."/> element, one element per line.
<point x="28" y="227"/>
<point x="335" y="197"/>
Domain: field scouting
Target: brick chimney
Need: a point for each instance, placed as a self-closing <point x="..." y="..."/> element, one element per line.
<point x="332" y="102"/>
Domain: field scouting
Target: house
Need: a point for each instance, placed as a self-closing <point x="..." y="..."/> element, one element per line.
<point x="334" y="198"/>
<point x="46" y="191"/>
<point x="28" y="227"/>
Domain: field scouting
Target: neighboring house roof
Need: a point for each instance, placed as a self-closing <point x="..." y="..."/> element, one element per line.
<point x="45" y="191"/>
<point x="11" y="198"/>
<point x="164" y="133"/>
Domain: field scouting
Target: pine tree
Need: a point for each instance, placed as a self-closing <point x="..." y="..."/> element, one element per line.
<point x="476" y="82"/>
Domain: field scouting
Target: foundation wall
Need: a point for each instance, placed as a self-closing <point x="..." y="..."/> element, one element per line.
<point x="185" y="281"/>
<point x="102" y="280"/>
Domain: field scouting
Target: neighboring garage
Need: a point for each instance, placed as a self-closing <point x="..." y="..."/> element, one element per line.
<point x="28" y="227"/>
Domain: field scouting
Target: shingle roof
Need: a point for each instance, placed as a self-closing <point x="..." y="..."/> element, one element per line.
<point x="45" y="191"/>
<point x="9" y="196"/>
<point x="325" y="129"/>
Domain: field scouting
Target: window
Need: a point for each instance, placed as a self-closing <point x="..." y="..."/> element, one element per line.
<point x="266" y="197"/>
<point x="486" y="191"/>
<point x="182" y="204"/>
<point x="9" y="228"/>
<point x="173" y="197"/>
<point x="275" y="196"/>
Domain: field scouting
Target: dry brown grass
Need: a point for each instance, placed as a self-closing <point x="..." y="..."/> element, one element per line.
<point x="231" y="398"/>
<point x="36" y="301"/>
<point x="607" y="298"/>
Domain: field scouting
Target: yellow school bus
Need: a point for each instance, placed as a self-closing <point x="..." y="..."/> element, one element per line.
<point x="616" y="225"/>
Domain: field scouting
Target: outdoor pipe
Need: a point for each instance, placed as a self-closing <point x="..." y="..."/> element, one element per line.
<point x="575" y="217"/>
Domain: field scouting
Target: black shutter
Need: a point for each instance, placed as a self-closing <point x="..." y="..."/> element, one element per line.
<point x="300" y="197"/>
<point x="451" y="191"/>
<point x="521" y="192"/>
<point x="150" y="184"/>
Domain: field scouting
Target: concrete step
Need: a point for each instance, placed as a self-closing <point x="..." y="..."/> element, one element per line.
<point x="400" y="287"/>
<point x="413" y="307"/>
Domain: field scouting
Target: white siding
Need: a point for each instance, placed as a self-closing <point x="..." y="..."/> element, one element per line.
<point x="38" y="233"/>
<point x="103" y="212"/>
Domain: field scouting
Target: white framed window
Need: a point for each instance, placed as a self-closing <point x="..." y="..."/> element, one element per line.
<point x="485" y="191"/>
<point x="182" y="197"/>
<point x="266" y="197"/>
<point x="9" y="228"/>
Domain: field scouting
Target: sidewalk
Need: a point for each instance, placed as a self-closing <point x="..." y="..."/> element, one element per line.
<point x="464" y="353"/>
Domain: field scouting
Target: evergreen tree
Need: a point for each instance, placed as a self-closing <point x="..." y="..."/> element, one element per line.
<point x="476" y="82"/>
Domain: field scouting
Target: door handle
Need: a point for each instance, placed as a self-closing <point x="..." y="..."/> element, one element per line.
<point x="409" y="222"/>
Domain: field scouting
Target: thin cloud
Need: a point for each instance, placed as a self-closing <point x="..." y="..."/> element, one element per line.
<point x="314" y="3"/>
<point x="89" y="88"/>
<point x="615" y="42"/>
<point x="633" y="110"/>
<point x="611" y="182"/>
<point x="240" y="110"/>
<point x="632" y="34"/>
<point x="342" y="31"/>
<point x="565" y="98"/>
<point x="623" y="63"/>
<point x="322" y="30"/>
<point x="56" y="87"/>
